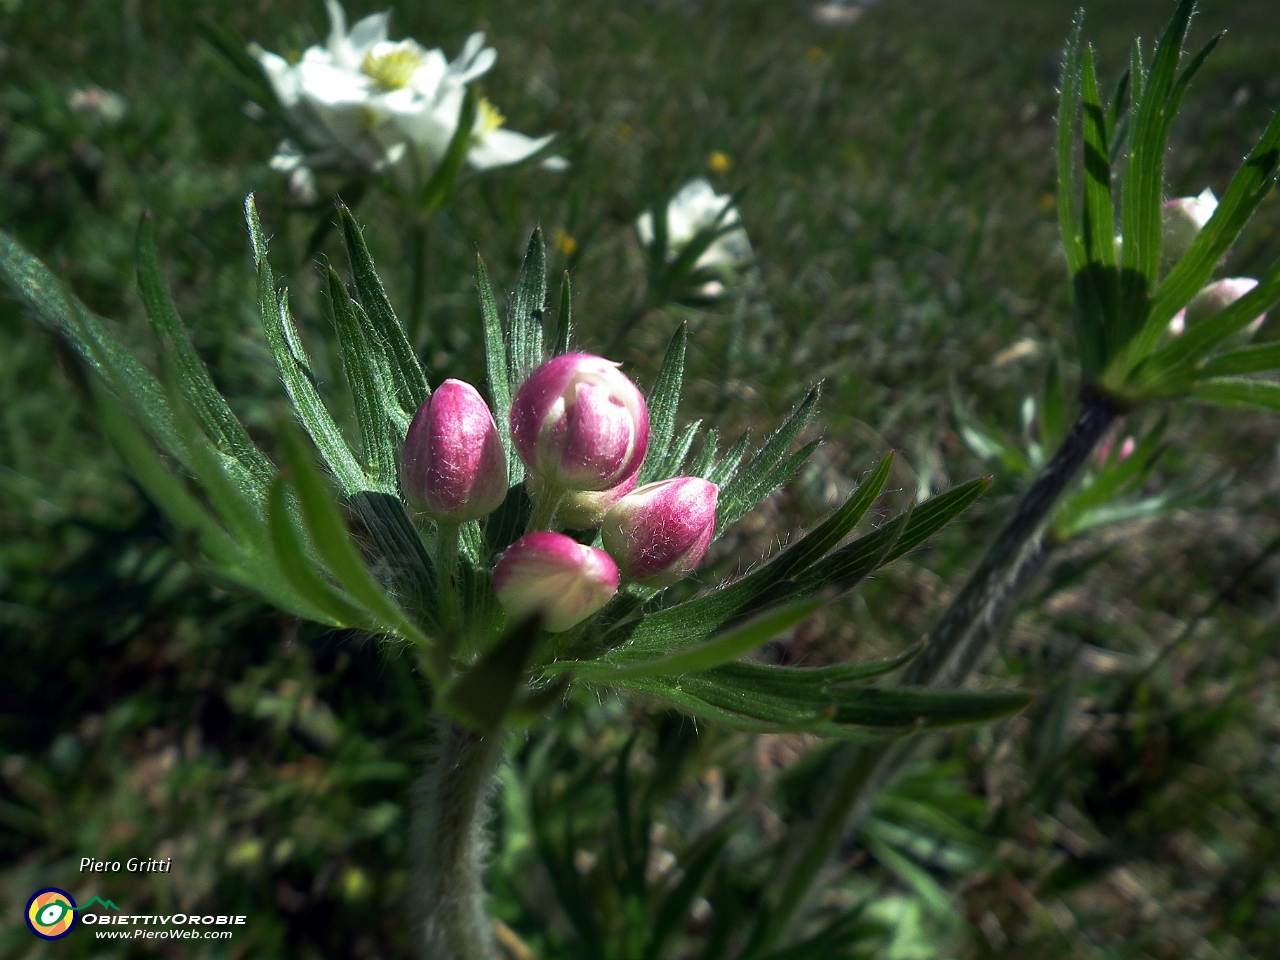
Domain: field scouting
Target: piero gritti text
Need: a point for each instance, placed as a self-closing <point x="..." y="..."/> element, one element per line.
<point x="132" y="865"/>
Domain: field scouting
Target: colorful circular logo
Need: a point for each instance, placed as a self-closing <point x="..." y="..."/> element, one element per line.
<point x="51" y="913"/>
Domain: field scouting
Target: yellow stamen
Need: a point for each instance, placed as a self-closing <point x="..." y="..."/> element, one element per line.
<point x="488" y="117"/>
<point x="392" y="70"/>
<point x="719" y="162"/>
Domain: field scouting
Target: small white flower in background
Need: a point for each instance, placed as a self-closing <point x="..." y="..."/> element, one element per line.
<point x="290" y="161"/>
<point x="363" y="101"/>
<point x="697" y="207"/>
<point x="103" y="105"/>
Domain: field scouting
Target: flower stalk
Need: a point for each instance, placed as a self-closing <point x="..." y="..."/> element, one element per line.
<point x="451" y="804"/>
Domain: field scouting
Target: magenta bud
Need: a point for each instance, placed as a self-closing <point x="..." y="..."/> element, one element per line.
<point x="1182" y="221"/>
<point x="584" y="509"/>
<point x="579" y="423"/>
<point x="660" y="532"/>
<point x="554" y="575"/>
<point x="1211" y="301"/>
<point x="453" y="467"/>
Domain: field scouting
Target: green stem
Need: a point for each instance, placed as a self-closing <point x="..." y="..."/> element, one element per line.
<point x="955" y="647"/>
<point x="451" y="847"/>
<point x="546" y="502"/>
<point x="447" y="573"/>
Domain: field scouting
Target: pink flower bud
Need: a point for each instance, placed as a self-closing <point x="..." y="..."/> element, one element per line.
<point x="1183" y="219"/>
<point x="554" y="575"/>
<point x="453" y="467"/>
<point x="1211" y="301"/>
<point x="579" y="423"/>
<point x="660" y="532"/>
<point x="584" y="509"/>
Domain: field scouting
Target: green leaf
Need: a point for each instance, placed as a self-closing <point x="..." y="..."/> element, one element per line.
<point x="727" y="468"/>
<point x="300" y="568"/>
<point x="1099" y="216"/>
<point x="926" y="519"/>
<point x="229" y="491"/>
<point x="564" y="322"/>
<point x="1068" y="107"/>
<point x="485" y="693"/>
<point x="439" y="186"/>
<point x="1117" y="123"/>
<point x="294" y="366"/>
<point x="990" y="447"/>
<point x="1254" y="359"/>
<point x="662" y="401"/>
<point x="495" y="356"/>
<point x="524" y="313"/>
<point x="1253" y="181"/>
<point x="410" y="380"/>
<point x="207" y="403"/>
<point x="679" y="451"/>
<point x="769" y="468"/>
<point x="368" y="390"/>
<point x="333" y="543"/>
<point x="1238" y="392"/>
<point x="930" y="892"/>
<point x="1170" y="369"/>
<point x="228" y="560"/>
<point x="1144" y="177"/>
<point x="59" y="311"/>
<point x="771" y="701"/>
<point x="730" y="645"/>
<point x="705" y="460"/>
<point x="182" y="508"/>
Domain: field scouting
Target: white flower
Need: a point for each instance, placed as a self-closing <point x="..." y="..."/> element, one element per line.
<point x="697" y="207"/>
<point x="103" y="105"/>
<point x="362" y="101"/>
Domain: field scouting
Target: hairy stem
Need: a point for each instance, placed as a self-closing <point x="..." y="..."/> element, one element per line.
<point x="447" y="572"/>
<point x="955" y="647"/>
<point x="451" y="846"/>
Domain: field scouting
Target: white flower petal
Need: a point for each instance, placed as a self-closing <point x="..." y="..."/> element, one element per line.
<point x="367" y="34"/>
<point x="333" y="85"/>
<point x="502" y="148"/>
<point x="478" y="67"/>
<point x="555" y="163"/>
<point x="337" y="23"/>
<point x="283" y="78"/>
<point x="428" y="77"/>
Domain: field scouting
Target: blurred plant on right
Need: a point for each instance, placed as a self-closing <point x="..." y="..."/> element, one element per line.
<point x="1129" y="285"/>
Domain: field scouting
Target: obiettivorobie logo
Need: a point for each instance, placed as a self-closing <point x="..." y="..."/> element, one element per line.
<point x="52" y="914"/>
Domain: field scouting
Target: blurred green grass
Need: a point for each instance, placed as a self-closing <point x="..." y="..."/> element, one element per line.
<point x="899" y="197"/>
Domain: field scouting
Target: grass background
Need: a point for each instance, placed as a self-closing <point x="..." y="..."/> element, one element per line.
<point x="899" y="196"/>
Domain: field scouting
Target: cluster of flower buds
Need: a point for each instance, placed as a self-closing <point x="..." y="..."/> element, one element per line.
<point x="582" y="429"/>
